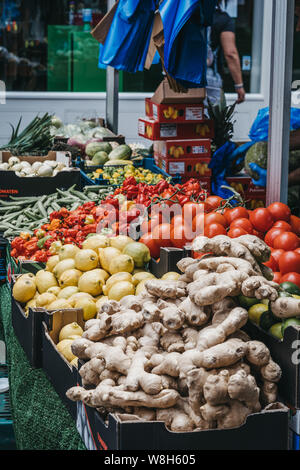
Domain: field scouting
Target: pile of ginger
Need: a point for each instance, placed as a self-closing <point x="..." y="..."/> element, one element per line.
<point x="177" y="352"/>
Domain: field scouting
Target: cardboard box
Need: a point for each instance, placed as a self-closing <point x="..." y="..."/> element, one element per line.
<point x="168" y="113"/>
<point x="60" y="372"/>
<point x="165" y="95"/>
<point x="28" y="330"/>
<point x="182" y="148"/>
<point x="13" y="185"/>
<point x="188" y="167"/>
<point x="267" y="430"/>
<point x="153" y="130"/>
<point x="255" y="196"/>
<point x="286" y="354"/>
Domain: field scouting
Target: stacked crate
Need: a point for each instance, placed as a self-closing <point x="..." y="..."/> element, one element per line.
<point x="181" y="138"/>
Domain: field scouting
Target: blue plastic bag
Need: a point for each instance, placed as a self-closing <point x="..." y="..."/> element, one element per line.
<point x="127" y="42"/>
<point x="219" y="163"/>
<point x="185" y="51"/>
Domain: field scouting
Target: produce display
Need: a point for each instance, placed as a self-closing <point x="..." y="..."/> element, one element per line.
<point x="104" y="269"/>
<point x="117" y="176"/>
<point x="25" y="169"/>
<point x="30" y="217"/>
<point x="176" y="352"/>
<point x="35" y="139"/>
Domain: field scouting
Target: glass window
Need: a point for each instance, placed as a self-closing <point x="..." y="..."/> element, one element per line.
<point x="47" y="46"/>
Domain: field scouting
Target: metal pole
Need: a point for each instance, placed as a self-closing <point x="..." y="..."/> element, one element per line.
<point x="112" y="92"/>
<point x="280" y="99"/>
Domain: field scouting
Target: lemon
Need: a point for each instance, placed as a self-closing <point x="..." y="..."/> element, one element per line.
<point x="121" y="263"/>
<point x="71" y="329"/>
<point x="256" y="311"/>
<point x="86" y="260"/>
<point x="171" y="276"/>
<point x="139" y="277"/>
<point x="44" y="280"/>
<point x="88" y="306"/>
<point x="24" y="290"/>
<point x="120" y="290"/>
<point x="67" y="251"/>
<point x="118" y="277"/>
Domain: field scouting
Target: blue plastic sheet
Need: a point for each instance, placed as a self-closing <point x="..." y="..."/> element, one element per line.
<point x="185" y="51"/>
<point x="127" y="42"/>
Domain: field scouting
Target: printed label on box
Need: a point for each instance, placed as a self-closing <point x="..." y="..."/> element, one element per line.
<point x="194" y="114"/>
<point x="141" y="127"/>
<point x="168" y="130"/>
<point x="199" y="149"/>
<point x="176" y="167"/>
<point x="155" y="111"/>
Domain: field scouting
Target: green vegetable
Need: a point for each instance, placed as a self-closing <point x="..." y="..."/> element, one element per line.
<point x="247" y="302"/>
<point x="290" y="287"/>
<point x="35" y="138"/>
<point x="267" y="319"/>
<point x="258" y="154"/>
<point x="122" y="152"/>
<point x="42" y="241"/>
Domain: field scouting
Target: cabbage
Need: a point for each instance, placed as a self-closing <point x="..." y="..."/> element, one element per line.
<point x="258" y="154"/>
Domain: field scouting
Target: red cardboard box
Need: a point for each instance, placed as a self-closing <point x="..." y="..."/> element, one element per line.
<point x="168" y="113"/>
<point x="153" y="130"/>
<point x="255" y="196"/>
<point x="182" y="148"/>
<point x="192" y="168"/>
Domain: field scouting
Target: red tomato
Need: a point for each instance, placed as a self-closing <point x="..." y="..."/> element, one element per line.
<point x="198" y="224"/>
<point x="261" y="219"/>
<point x="291" y="277"/>
<point x="279" y="211"/>
<point x="297" y="250"/>
<point x="180" y="236"/>
<point x="153" y="246"/>
<point x="242" y="223"/>
<point x="259" y="234"/>
<point x="214" y="202"/>
<point x="284" y="225"/>
<point x="272" y="263"/>
<point x="287" y="241"/>
<point x="236" y="213"/>
<point x="212" y="230"/>
<point x="197" y="255"/>
<point x="295" y="223"/>
<point x="215" y="218"/>
<point x="236" y="232"/>
<point x="289" y="262"/>
<point x="178" y="219"/>
<point x="272" y="234"/>
<point x="162" y="234"/>
<point x="276" y="254"/>
<point x="191" y="209"/>
<point x="277" y="277"/>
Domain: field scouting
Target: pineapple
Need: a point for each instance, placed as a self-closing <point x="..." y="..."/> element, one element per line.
<point x="222" y="116"/>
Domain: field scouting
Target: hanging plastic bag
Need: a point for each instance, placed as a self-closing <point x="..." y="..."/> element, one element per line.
<point x="127" y="42"/>
<point x="185" y="50"/>
<point x="218" y="165"/>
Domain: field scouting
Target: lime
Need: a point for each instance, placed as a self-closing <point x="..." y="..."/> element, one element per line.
<point x="265" y="301"/>
<point x="256" y="311"/>
<point x="290" y="287"/>
<point x="275" y="330"/>
<point x="289" y="322"/>
<point x="247" y="302"/>
<point x="267" y="319"/>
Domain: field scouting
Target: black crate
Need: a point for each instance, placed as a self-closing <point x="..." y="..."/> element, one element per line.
<point x="13" y="185"/>
<point x="267" y="430"/>
<point x="59" y="371"/>
<point x="28" y="330"/>
<point x="287" y="354"/>
<point x="169" y="258"/>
